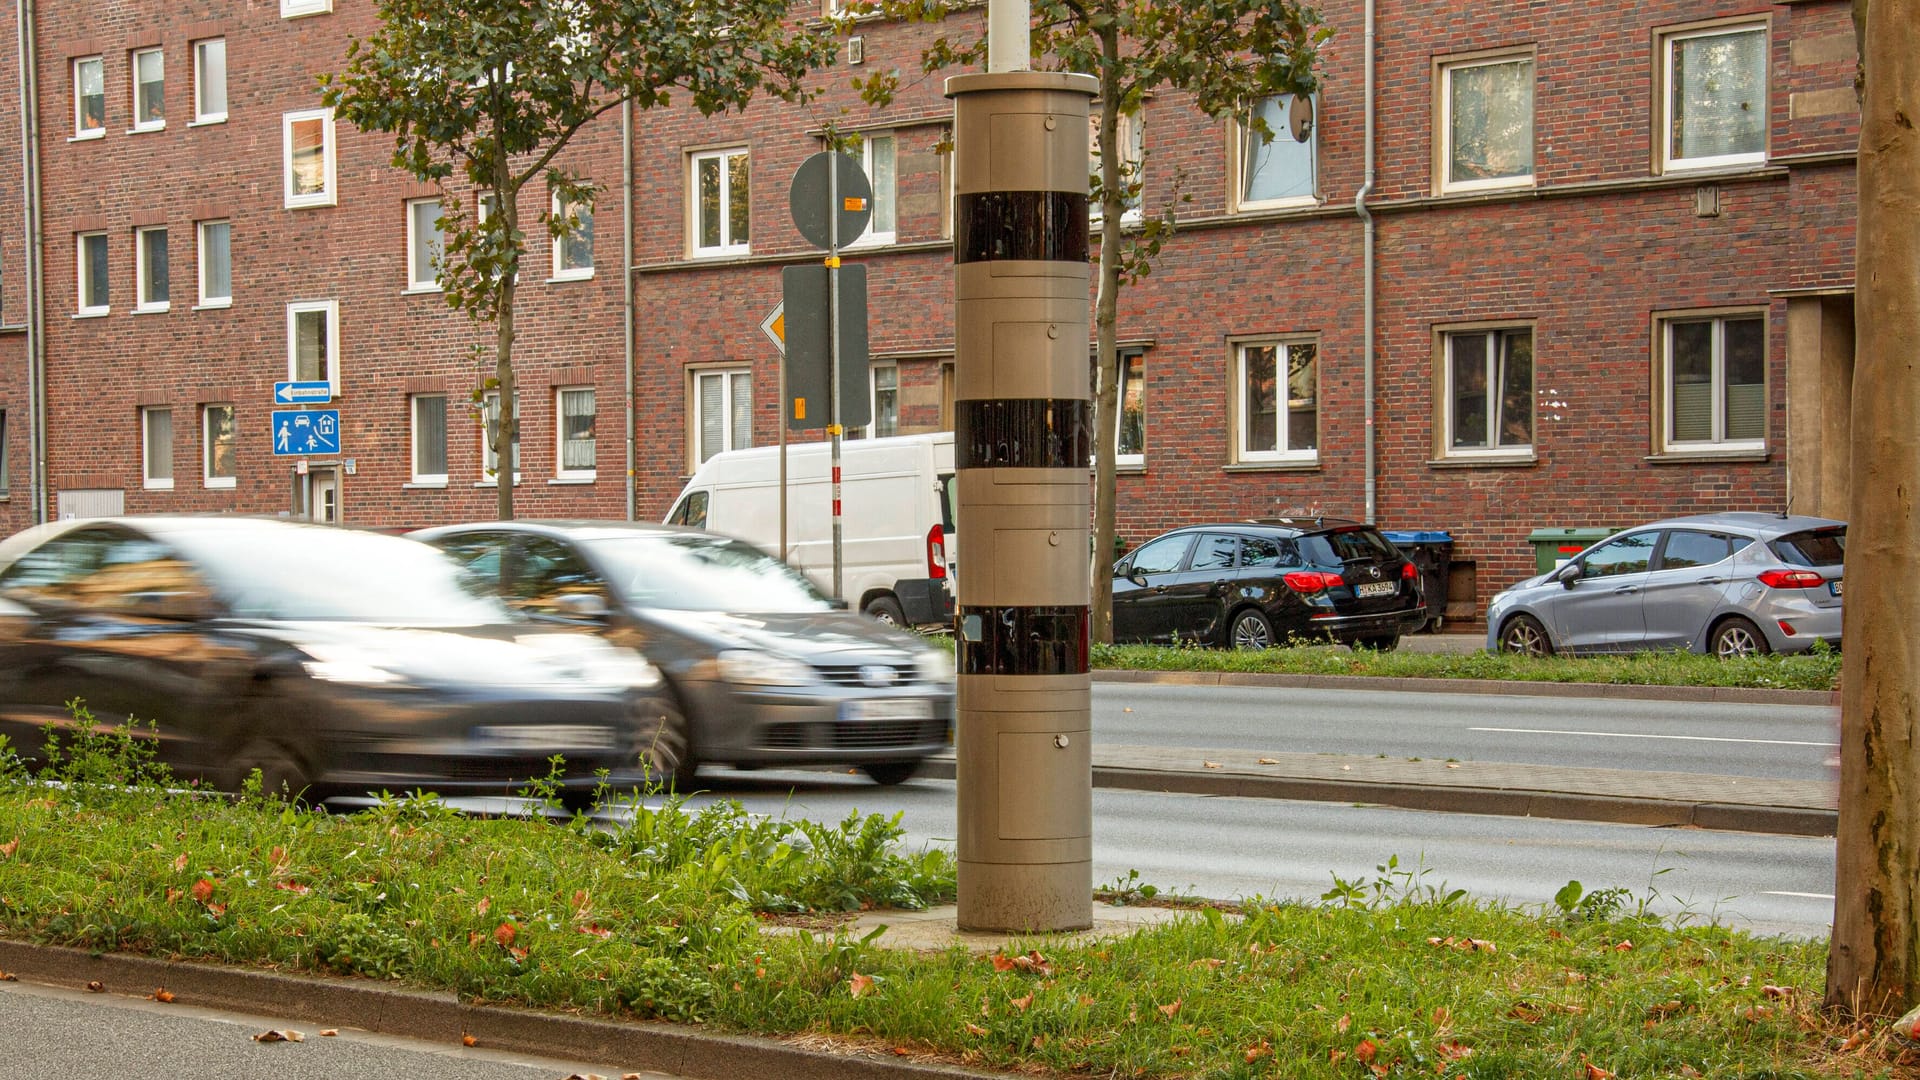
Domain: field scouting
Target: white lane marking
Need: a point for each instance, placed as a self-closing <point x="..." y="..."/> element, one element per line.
<point x="1803" y="895"/>
<point x="1629" y="735"/>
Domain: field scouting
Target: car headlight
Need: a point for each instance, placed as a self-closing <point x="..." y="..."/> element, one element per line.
<point x="750" y="668"/>
<point x="623" y="667"/>
<point x="934" y="665"/>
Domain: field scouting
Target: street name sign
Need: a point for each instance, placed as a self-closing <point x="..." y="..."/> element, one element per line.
<point x="317" y="392"/>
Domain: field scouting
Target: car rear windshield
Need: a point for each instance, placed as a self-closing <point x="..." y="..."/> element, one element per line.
<point x="690" y="572"/>
<point x="1814" y="547"/>
<point x="1346" y="546"/>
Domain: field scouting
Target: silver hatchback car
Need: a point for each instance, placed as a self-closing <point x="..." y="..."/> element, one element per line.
<point x="1731" y="584"/>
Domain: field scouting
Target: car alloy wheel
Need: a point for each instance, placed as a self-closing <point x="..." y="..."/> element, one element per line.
<point x="1524" y="636"/>
<point x="1251" y="630"/>
<point x="1738" y="637"/>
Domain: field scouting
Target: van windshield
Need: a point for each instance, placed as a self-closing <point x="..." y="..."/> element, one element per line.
<point x="704" y="573"/>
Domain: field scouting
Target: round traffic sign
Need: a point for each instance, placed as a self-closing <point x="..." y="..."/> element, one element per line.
<point x="812" y="198"/>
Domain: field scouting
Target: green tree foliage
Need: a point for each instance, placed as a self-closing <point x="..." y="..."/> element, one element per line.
<point x="1228" y="54"/>
<point x="488" y="92"/>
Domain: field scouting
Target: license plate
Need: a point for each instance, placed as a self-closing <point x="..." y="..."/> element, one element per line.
<point x="556" y="737"/>
<point x="907" y="709"/>
<point x="1834" y="586"/>
<point x="1375" y="588"/>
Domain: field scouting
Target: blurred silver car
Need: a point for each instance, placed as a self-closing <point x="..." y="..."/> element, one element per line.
<point x="1730" y="584"/>
<point x="331" y="660"/>
<point x="765" y="670"/>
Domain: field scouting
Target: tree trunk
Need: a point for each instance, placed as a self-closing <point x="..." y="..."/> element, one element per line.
<point x="507" y="429"/>
<point x="1106" y="409"/>
<point x="1873" y="965"/>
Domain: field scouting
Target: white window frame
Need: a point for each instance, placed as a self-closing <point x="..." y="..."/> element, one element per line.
<point x="731" y="377"/>
<point x="573" y="273"/>
<point x="489" y="463"/>
<point x="329" y="193"/>
<point x="1668" y="42"/>
<point x="1493" y="335"/>
<point x="80" y="128"/>
<point x="1139" y="460"/>
<point x="200" y="82"/>
<point x="147" y="478"/>
<point x="438" y="479"/>
<point x="294" y="9"/>
<point x="871" y="430"/>
<point x="206" y="447"/>
<point x="560" y="469"/>
<point x="1283" y="415"/>
<point x="82" y="264"/>
<point x="143" y="271"/>
<point x="1719" y="443"/>
<point x="302" y="307"/>
<point x="1245" y="148"/>
<point x="413" y="207"/>
<point x="727" y="245"/>
<point x="133" y="69"/>
<point x="200" y="260"/>
<point x="1443" y="138"/>
<point x="1132" y="132"/>
<point x="873" y="237"/>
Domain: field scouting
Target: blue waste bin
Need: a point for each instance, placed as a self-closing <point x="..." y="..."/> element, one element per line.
<point x="1432" y="551"/>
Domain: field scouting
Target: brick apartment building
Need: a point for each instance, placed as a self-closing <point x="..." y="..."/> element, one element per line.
<point x="1612" y="251"/>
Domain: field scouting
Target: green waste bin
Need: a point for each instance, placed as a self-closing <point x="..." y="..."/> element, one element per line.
<point x="1551" y="547"/>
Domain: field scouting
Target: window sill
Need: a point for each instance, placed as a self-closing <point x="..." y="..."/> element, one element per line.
<point x="208" y="121"/>
<point x="213" y="305"/>
<point x="285" y="14"/>
<point x="148" y="129"/>
<point x="571" y="275"/>
<point x="575" y="480"/>
<point x="88" y="136"/>
<point x="422" y="290"/>
<point x="1299" y="202"/>
<point x="429" y="485"/>
<point x="157" y="485"/>
<point x="1489" y="187"/>
<point x="100" y="314"/>
<point x="222" y="483"/>
<point x="1271" y="466"/>
<point x="1707" y="169"/>
<point x="155" y="309"/>
<point x="718" y="254"/>
<point x="1696" y="457"/>
<point x="1491" y="461"/>
<point x="311" y="204"/>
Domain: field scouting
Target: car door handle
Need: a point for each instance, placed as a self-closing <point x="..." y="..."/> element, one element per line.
<point x="1625" y="590"/>
<point x="1711" y="581"/>
<point x="1219" y="588"/>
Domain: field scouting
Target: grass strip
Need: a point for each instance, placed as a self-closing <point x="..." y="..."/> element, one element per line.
<point x="664" y="918"/>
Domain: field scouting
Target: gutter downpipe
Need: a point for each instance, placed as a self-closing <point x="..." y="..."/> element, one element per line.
<point x="626" y="282"/>
<point x="1366" y="263"/>
<point x="25" y="18"/>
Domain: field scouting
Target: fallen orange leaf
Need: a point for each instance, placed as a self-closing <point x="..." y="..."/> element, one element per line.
<point x="174" y="894"/>
<point x="161" y="995"/>
<point x="1341" y="1025"/>
<point x="1365" y="1051"/>
<point x="181" y="862"/>
<point x="203" y="890"/>
<point x="1595" y="1072"/>
<point x="96" y="987"/>
<point x="1453" y="1050"/>
<point x="481" y="907"/>
<point x="293" y="887"/>
<point x="975" y="1029"/>
<point x="597" y="930"/>
<point x="1257" y="1051"/>
<point x="468" y="1040"/>
<point x="1171" y="1008"/>
<point x="517" y="953"/>
<point x="504" y="934"/>
<point x="1625" y="946"/>
<point x="1441" y="1015"/>
<point x="276" y="1035"/>
<point x="8" y="976"/>
<point x="7" y="849"/>
<point x="860" y="985"/>
<point x="1021" y="1003"/>
<point x="1777" y="991"/>
<point x="328" y="1033"/>
<point x="1207" y="962"/>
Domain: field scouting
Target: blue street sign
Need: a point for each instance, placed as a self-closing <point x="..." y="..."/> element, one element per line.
<point x="302" y="393"/>
<point x="315" y="431"/>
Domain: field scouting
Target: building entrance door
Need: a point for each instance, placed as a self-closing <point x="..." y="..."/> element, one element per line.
<point x="323" y="495"/>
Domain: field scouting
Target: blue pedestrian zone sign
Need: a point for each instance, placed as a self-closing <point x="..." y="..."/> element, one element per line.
<point x="312" y="431"/>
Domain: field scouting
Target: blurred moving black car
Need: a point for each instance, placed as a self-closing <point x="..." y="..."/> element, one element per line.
<point x="1251" y="584"/>
<point x="765" y="669"/>
<point x="329" y="659"/>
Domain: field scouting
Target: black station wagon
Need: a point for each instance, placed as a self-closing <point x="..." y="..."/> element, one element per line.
<point x="1250" y="585"/>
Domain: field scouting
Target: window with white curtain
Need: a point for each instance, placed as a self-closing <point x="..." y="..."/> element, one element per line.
<point x="722" y="412"/>
<point x="1486" y="130"/>
<point x="1715" y="383"/>
<point x="156" y="446"/>
<point x="1715" y="104"/>
<point x="576" y="450"/>
<point x="429" y="438"/>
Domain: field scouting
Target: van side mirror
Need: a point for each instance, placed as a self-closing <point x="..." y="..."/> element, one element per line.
<point x="582" y="606"/>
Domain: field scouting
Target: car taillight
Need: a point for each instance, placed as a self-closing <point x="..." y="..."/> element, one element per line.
<point x="936" y="553"/>
<point x="1312" y="581"/>
<point x="1791" y="579"/>
<point x="1409" y="572"/>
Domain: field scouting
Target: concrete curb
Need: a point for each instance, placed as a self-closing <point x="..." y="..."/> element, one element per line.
<point x="680" y="1050"/>
<point x="1511" y="802"/>
<point x="1719" y="694"/>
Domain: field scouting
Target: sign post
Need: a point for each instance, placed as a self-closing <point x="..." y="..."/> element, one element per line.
<point x="775" y="327"/>
<point x="831" y="198"/>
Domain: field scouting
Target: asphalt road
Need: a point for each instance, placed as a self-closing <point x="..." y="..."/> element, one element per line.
<point x="1231" y="848"/>
<point x="47" y="1033"/>
<point x="1787" y="742"/>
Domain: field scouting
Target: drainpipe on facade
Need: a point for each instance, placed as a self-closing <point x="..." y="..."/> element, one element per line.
<point x="1366" y="269"/>
<point x="626" y="279"/>
<point x="24" y="22"/>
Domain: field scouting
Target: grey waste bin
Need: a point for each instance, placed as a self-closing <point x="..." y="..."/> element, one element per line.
<point x="1432" y="552"/>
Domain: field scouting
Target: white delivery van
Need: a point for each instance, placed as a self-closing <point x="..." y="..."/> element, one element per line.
<point x="897" y="549"/>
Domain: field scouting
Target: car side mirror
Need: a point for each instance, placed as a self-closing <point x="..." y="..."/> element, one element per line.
<point x="1136" y="577"/>
<point x="582" y="606"/>
<point x="1568" y="574"/>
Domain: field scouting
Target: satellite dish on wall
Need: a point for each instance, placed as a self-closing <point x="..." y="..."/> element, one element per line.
<point x="1300" y="118"/>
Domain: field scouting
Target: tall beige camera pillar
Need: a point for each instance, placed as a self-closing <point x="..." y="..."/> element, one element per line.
<point x="1022" y="440"/>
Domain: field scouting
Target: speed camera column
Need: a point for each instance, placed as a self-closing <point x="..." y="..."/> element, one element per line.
<point x="1022" y="440"/>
